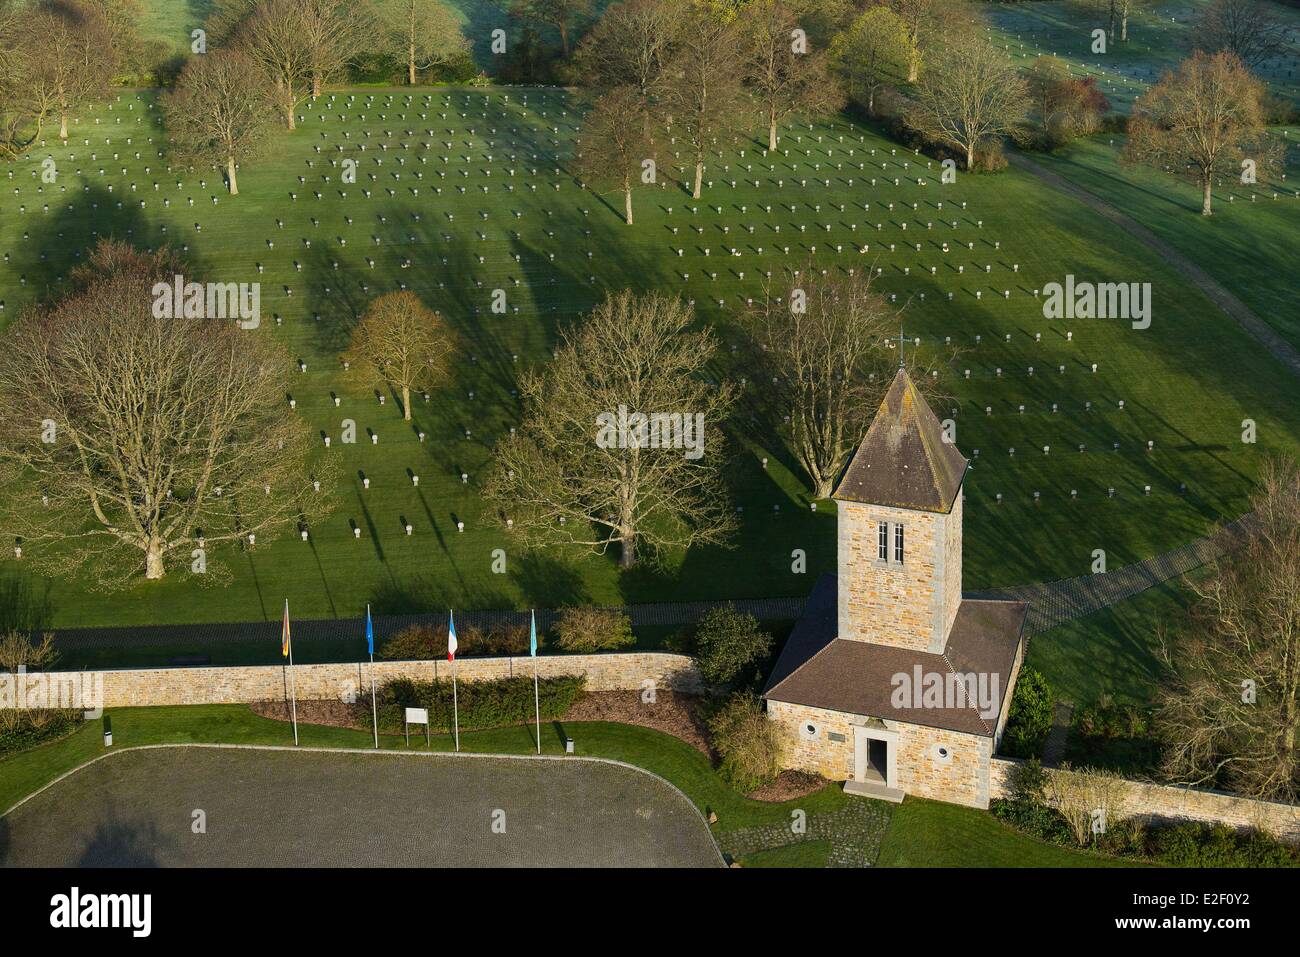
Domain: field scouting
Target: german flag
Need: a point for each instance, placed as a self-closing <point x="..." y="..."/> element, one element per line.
<point x="284" y="632"/>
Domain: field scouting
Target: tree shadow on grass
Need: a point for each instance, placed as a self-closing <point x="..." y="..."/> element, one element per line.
<point x="25" y="603"/>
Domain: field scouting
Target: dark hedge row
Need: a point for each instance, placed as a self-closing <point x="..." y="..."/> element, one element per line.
<point x="483" y="704"/>
<point x="55" y="725"/>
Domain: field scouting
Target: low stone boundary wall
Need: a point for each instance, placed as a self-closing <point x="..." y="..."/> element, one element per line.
<point x="128" y="688"/>
<point x="1172" y="803"/>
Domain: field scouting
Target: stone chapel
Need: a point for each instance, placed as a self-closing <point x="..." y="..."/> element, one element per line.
<point x="892" y="680"/>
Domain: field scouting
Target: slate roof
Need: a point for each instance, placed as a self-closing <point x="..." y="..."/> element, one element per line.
<point x="819" y="670"/>
<point x="904" y="461"/>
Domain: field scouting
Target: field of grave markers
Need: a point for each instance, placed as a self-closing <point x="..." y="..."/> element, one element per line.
<point x="1084" y="434"/>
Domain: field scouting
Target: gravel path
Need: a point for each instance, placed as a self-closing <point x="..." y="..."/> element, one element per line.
<point x="1221" y="297"/>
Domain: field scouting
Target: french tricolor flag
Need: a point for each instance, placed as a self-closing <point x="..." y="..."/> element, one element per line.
<point x="451" y="636"/>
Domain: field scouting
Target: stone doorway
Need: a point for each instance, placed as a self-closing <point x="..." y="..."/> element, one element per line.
<point x="875" y="762"/>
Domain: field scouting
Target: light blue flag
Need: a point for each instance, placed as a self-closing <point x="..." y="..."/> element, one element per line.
<point x="532" y="638"/>
<point x="370" y="633"/>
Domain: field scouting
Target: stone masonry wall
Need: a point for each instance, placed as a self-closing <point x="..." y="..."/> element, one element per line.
<point x="885" y="602"/>
<point x="1164" y="802"/>
<point x="961" y="779"/>
<point x="173" y="686"/>
<point x="821" y="755"/>
<point x="952" y="542"/>
<point x="1008" y="692"/>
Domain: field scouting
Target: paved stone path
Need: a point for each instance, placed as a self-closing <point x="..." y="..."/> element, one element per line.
<point x="1221" y="297"/>
<point x="1053" y="603"/>
<point x="854" y="832"/>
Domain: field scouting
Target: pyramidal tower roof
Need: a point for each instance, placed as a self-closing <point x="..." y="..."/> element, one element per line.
<point x="904" y="461"/>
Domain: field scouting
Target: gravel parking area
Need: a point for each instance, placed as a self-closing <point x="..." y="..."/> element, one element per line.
<point x="269" y="808"/>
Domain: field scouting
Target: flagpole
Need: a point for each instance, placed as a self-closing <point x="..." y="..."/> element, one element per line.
<point x="455" y="704"/>
<point x="293" y="681"/>
<point x="537" y="701"/>
<point x="537" y="704"/>
<point x="374" y="707"/>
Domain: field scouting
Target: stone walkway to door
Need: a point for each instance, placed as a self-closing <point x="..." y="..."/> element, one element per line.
<point x="854" y="832"/>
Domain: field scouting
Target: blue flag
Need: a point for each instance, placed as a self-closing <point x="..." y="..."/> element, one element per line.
<point x="370" y="633"/>
<point x="532" y="638"/>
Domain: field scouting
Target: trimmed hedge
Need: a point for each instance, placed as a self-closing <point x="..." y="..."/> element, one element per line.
<point x="1030" y="719"/>
<point x="1214" y="845"/>
<point x="728" y="644"/>
<point x="57" y="724"/>
<point x="483" y="704"/>
<point x="1182" y="844"/>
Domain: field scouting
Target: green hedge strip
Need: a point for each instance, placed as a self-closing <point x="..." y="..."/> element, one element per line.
<point x="483" y="704"/>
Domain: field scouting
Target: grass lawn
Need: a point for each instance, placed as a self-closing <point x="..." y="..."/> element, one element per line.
<point x="933" y="834"/>
<point x="654" y="751"/>
<point x="489" y="215"/>
<point x="1248" y="245"/>
<point x="802" y="854"/>
<point x="921" y="832"/>
<point x="1111" y="651"/>
<point x="172" y="21"/>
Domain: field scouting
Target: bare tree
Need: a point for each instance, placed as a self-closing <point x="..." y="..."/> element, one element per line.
<point x="15" y="105"/>
<point x="872" y="50"/>
<point x="784" y="75"/>
<point x="621" y="441"/>
<point x="401" y="341"/>
<point x="827" y="351"/>
<point x="926" y="24"/>
<point x="274" y="34"/>
<point x="130" y="438"/>
<point x="224" y="18"/>
<point x="614" y="145"/>
<point x="220" y="111"/>
<point x="20" y="651"/>
<point x="1204" y="120"/>
<point x="971" y="96"/>
<point x="1090" y="800"/>
<point x="333" y="32"/>
<point x="1123" y="10"/>
<point x="70" y="62"/>
<point x="1231" y="715"/>
<point x="421" y="33"/>
<point x="561" y="14"/>
<point x="628" y="46"/>
<point x="702" y="91"/>
<point x="1245" y="28"/>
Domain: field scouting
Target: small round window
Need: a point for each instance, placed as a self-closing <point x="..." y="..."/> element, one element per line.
<point x="808" y="730"/>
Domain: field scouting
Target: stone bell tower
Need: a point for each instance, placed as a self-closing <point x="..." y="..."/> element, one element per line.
<point x="900" y="511"/>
